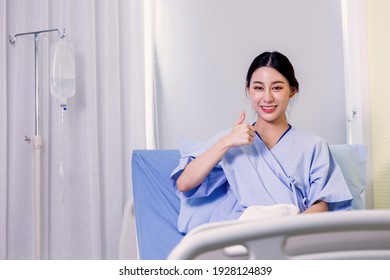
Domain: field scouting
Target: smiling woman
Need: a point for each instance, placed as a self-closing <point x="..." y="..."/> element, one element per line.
<point x="271" y="82"/>
<point x="263" y="164"/>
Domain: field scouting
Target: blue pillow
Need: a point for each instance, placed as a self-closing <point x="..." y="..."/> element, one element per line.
<point x="352" y="161"/>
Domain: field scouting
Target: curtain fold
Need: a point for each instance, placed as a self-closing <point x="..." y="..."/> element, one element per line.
<point x="86" y="153"/>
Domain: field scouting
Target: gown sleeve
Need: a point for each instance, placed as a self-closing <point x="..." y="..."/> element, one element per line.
<point x="197" y="205"/>
<point x="189" y="150"/>
<point x="326" y="180"/>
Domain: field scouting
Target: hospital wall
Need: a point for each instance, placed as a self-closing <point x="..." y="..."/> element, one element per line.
<point x="203" y="51"/>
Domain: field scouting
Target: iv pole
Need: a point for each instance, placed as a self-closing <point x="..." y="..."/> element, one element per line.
<point x="36" y="139"/>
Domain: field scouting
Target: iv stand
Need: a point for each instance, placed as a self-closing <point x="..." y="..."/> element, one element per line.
<point x="37" y="139"/>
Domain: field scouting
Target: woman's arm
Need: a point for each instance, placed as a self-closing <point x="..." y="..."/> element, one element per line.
<point x="319" y="206"/>
<point x="198" y="169"/>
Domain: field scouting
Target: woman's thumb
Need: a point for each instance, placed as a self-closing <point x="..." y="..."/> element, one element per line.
<point x="241" y="118"/>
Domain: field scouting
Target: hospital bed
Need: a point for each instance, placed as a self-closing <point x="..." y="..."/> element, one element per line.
<point x="356" y="234"/>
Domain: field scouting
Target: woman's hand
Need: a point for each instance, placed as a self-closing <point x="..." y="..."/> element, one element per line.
<point x="241" y="134"/>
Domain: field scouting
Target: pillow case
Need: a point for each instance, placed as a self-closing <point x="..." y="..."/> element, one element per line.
<point x="352" y="161"/>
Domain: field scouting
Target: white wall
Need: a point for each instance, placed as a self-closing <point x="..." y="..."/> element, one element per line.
<point x="204" y="48"/>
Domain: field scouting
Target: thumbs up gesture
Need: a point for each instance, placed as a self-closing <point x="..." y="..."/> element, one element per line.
<point x="241" y="119"/>
<point x="242" y="133"/>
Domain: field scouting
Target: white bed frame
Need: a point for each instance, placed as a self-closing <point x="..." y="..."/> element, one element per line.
<point x="359" y="234"/>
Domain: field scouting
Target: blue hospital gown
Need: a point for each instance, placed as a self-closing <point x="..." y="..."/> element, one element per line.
<point x="298" y="170"/>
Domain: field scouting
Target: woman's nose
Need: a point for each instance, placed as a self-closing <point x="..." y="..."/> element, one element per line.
<point x="268" y="97"/>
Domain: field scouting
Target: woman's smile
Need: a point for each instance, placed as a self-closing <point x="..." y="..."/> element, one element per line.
<point x="268" y="108"/>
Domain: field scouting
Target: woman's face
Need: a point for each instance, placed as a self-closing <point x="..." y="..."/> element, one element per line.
<point x="269" y="92"/>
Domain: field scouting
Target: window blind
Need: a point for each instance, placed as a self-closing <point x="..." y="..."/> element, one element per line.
<point x="378" y="23"/>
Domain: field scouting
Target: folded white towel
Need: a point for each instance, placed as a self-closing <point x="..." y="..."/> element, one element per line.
<point x="257" y="212"/>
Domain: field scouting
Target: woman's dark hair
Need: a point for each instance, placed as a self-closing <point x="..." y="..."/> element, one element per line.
<point x="277" y="61"/>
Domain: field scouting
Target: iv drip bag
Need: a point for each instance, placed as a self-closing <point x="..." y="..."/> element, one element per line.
<point x="62" y="71"/>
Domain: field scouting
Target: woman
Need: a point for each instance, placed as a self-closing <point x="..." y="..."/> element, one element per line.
<point x="266" y="163"/>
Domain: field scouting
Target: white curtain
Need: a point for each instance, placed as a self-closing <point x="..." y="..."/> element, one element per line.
<point x="82" y="203"/>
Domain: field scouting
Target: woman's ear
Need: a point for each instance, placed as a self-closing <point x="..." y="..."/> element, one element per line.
<point x="293" y="91"/>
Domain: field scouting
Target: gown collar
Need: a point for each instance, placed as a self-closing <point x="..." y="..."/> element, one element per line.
<point x="287" y="130"/>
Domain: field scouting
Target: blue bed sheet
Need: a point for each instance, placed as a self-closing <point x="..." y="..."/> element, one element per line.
<point x="156" y="205"/>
